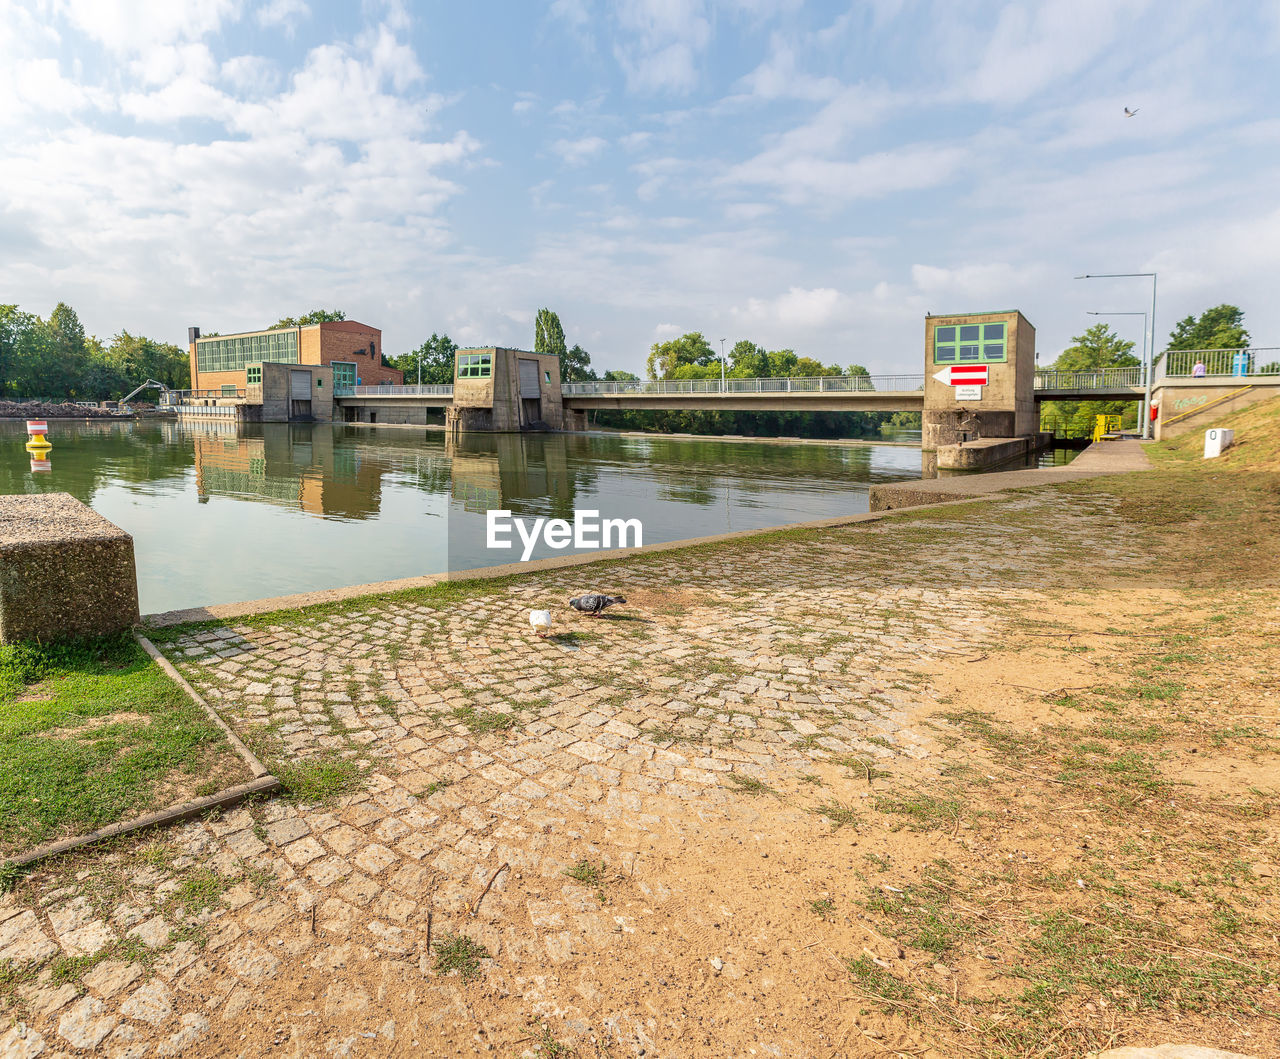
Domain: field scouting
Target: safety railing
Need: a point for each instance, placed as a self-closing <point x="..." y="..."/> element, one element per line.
<point x="1246" y="362"/>
<point x="817" y="384"/>
<point x="189" y="395"/>
<point x="1104" y="379"/>
<point x="391" y="390"/>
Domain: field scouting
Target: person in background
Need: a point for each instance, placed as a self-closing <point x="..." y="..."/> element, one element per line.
<point x="1198" y="371"/>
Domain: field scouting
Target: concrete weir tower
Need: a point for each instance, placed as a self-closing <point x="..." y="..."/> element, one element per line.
<point x="979" y="389"/>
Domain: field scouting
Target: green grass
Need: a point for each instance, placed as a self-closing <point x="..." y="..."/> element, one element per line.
<point x="457" y="952"/>
<point x="485" y="720"/>
<point x="320" y="779"/>
<point x="922" y="812"/>
<point x="839" y="815"/>
<point x="749" y="784"/>
<point x="68" y="766"/>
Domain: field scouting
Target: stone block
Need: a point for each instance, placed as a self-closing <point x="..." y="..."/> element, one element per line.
<point x="65" y="571"/>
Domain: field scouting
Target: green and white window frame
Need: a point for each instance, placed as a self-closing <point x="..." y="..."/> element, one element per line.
<point x="234" y="353"/>
<point x="971" y="343"/>
<point x="475" y="365"/>
<point x="253" y="375"/>
<point x="344" y="375"/>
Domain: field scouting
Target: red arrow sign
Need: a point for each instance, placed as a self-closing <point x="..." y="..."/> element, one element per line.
<point x="963" y="375"/>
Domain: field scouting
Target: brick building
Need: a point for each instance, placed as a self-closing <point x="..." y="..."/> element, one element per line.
<point x="231" y="363"/>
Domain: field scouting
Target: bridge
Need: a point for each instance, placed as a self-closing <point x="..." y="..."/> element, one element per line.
<point x="824" y="393"/>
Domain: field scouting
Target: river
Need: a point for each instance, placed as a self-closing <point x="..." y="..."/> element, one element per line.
<point x="220" y="514"/>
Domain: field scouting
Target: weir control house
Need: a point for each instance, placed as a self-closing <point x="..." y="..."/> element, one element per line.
<point x="284" y="373"/>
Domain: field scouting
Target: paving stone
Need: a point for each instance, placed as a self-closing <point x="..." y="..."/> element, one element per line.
<point x="21" y="1042"/>
<point x="150" y="1003"/>
<point x="374" y="859"/>
<point x="84" y="1024"/>
<point x="111" y="976"/>
<point x="253" y="962"/>
<point x="290" y="829"/>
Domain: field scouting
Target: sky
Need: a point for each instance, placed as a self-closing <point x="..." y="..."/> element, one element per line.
<point x="814" y="176"/>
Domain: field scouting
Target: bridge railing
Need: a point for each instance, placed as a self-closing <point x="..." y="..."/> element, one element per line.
<point x="1104" y="379"/>
<point x="817" y="384"/>
<point x="391" y="390"/>
<point x="1197" y="363"/>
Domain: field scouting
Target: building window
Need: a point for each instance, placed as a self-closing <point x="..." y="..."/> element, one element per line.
<point x="236" y="352"/>
<point x="229" y="389"/>
<point x="969" y="344"/>
<point x="475" y="366"/>
<point x="344" y="375"/>
<point x="546" y="375"/>
<point x="253" y="374"/>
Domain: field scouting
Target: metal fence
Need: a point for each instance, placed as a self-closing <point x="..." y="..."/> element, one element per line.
<point x="818" y="384"/>
<point x="1105" y="379"/>
<point x="189" y="395"/>
<point x="391" y="390"/>
<point x="1197" y="363"/>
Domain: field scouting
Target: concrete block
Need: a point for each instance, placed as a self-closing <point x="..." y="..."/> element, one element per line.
<point x="65" y="571"/>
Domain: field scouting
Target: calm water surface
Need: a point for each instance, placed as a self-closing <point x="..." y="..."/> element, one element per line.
<point x="220" y="514"/>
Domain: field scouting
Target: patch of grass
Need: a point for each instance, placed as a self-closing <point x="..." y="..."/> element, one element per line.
<point x="320" y="779"/>
<point x="923" y="812"/>
<point x="919" y="915"/>
<point x="546" y="1044"/>
<point x="809" y="777"/>
<point x="822" y="907"/>
<point x="839" y="815"/>
<point x="666" y="735"/>
<point x="434" y="787"/>
<point x="457" y="952"/>
<point x="480" y="721"/>
<point x="749" y="784"/>
<point x="861" y="766"/>
<point x="199" y="892"/>
<point x="586" y="872"/>
<point x="881" y="983"/>
<point x="92" y="733"/>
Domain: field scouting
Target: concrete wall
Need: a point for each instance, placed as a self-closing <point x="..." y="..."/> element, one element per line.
<point x="1195" y="403"/>
<point x="277" y="400"/>
<point x="355" y="410"/>
<point x="494" y="404"/>
<point x="1007" y="408"/>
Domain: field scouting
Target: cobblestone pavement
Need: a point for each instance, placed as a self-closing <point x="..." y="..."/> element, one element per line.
<point x="637" y="743"/>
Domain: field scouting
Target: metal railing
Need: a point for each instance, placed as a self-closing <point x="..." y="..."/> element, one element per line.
<point x="1237" y="363"/>
<point x="391" y="390"/>
<point x="189" y="395"/>
<point x="817" y="384"/>
<point x="1105" y="379"/>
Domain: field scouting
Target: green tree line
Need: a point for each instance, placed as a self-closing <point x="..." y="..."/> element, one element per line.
<point x="53" y="359"/>
<point x="1099" y="348"/>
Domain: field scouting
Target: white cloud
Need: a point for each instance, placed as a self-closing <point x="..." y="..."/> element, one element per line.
<point x="796" y="309"/>
<point x="659" y="43"/>
<point x="138" y="26"/>
<point x="286" y="13"/>
<point x="580" y="151"/>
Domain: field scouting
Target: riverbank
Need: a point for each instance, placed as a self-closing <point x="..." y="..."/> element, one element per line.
<point x="993" y="777"/>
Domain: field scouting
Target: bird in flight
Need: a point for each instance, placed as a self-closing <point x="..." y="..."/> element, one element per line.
<point x="1130" y="113"/>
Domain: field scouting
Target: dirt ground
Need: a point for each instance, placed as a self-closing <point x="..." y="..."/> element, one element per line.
<point x="897" y="797"/>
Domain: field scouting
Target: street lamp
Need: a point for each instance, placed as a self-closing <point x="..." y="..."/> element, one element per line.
<point x="1150" y="329"/>
<point x="722" y="384"/>
<point x="1146" y="409"/>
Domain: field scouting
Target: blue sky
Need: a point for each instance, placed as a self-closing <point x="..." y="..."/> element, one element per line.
<point x="808" y="175"/>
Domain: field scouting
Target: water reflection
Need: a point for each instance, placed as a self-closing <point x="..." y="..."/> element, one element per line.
<point x="220" y="513"/>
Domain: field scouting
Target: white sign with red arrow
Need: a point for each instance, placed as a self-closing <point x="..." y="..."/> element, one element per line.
<point x="963" y="375"/>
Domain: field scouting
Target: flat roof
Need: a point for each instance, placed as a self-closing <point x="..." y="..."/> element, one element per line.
<point x="512" y="349"/>
<point x="273" y="330"/>
<point x="987" y="312"/>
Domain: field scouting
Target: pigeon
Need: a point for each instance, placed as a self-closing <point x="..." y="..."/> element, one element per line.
<point x="1130" y="113"/>
<point x="594" y="603"/>
<point x="540" y="620"/>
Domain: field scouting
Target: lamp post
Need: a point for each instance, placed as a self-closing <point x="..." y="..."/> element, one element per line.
<point x="722" y="384"/>
<point x="1150" y="328"/>
<point x="1146" y="406"/>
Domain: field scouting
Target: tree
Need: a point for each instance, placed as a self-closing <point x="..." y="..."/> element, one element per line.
<point x="135" y="358"/>
<point x="665" y="357"/>
<point x="316" y="316"/>
<point x="1098" y="348"/>
<point x="575" y="366"/>
<point x="435" y="357"/>
<point x="618" y="375"/>
<point x="548" y="335"/>
<point x="1221" y="327"/>
<point x="747" y="360"/>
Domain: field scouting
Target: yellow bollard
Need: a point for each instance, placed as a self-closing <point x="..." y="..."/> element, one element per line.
<point x="36" y="440"/>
